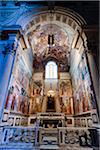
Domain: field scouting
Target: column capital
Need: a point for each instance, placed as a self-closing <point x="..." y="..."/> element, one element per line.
<point x="9" y="48"/>
<point x="92" y="33"/>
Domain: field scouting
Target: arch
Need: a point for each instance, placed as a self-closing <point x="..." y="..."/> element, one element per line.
<point x="68" y="20"/>
<point x="39" y="15"/>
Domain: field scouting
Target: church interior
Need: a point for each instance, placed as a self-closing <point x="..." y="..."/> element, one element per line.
<point x="49" y="75"/>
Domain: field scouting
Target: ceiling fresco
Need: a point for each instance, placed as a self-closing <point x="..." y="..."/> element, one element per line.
<point x="43" y="52"/>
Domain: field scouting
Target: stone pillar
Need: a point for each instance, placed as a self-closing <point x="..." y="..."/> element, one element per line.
<point x="40" y="136"/>
<point x="94" y="75"/>
<point x="61" y="136"/>
<point x="92" y="53"/>
<point x="7" y="52"/>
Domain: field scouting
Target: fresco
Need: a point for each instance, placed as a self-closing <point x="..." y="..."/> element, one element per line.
<point x="37" y="97"/>
<point x="59" y="50"/>
<point x="84" y="99"/>
<point x="22" y="75"/>
<point x="38" y="87"/>
<point x="66" y="99"/>
<point x="16" y="101"/>
<point x="17" y="98"/>
<point x="65" y="88"/>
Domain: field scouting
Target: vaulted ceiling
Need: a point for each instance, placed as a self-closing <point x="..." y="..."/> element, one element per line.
<point x="43" y="52"/>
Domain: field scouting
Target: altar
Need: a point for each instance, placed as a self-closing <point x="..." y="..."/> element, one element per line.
<point x="51" y="120"/>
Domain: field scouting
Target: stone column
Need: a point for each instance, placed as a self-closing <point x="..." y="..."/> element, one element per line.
<point x="92" y="56"/>
<point x="61" y="136"/>
<point x="40" y="136"/>
<point x="95" y="77"/>
<point x="7" y="52"/>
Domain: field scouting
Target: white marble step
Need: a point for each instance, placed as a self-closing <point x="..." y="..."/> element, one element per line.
<point x="49" y="147"/>
<point x="17" y="146"/>
<point x="49" y="138"/>
<point x="30" y="146"/>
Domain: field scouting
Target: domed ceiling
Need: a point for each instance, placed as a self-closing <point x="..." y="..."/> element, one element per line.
<point x="43" y="52"/>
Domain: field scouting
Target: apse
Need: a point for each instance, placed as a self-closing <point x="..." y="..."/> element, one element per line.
<point x="48" y="77"/>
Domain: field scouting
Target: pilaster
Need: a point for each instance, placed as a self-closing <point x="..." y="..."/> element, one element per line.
<point x="8" y="49"/>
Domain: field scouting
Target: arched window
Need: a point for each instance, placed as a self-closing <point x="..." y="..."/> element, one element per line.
<point x="51" y="70"/>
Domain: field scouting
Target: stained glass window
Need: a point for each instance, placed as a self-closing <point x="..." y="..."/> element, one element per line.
<point x="51" y="70"/>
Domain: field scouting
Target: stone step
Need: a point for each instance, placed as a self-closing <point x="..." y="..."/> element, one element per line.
<point x="30" y="146"/>
<point x="18" y="146"/>
<point x="49" y="147"/>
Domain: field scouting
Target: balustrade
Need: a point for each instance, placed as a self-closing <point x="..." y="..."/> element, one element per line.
<point x="60" y="136"/>
<point x="17" y="135"/>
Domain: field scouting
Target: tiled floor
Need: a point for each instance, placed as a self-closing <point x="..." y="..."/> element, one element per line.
<point x="75" y="148"/>
<point x="28" y="146"/>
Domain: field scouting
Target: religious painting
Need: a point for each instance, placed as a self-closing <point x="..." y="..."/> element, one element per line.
<point x="15" y="98"/>
<point x="9" y="98"/>
<point x="66" y="100"/>
<point x="42" y="51"/>
<point x="29" y="55"/>
<point x="32" y="106"/>
<point x="21" y="74"/>
<point x="24" y="105"/>
<point x="81" y="101"/>
<point x="68" y="106"/>
<point x="38" y="63"/>
<point x="36" y="104"/>
<point x="25" y="81"/>
<point x="64" y="67"/>
<point x="76" y="102"/>
<point x="38" y="88"/>
<point x="86" y="99"/>
<point x="65" y="88"/>
<point x="82" y="69"/>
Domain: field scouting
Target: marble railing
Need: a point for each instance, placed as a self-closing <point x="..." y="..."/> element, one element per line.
<point x="77" y="136"/>
<point x="17" y="134"/>
<point x="37" y="136"/>
<point x="64" y="135"/>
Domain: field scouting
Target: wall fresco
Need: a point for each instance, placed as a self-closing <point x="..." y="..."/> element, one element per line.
<point x="17" y="99"/>
<point x="66" y="100"/>
<point x="84" y="99"/>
